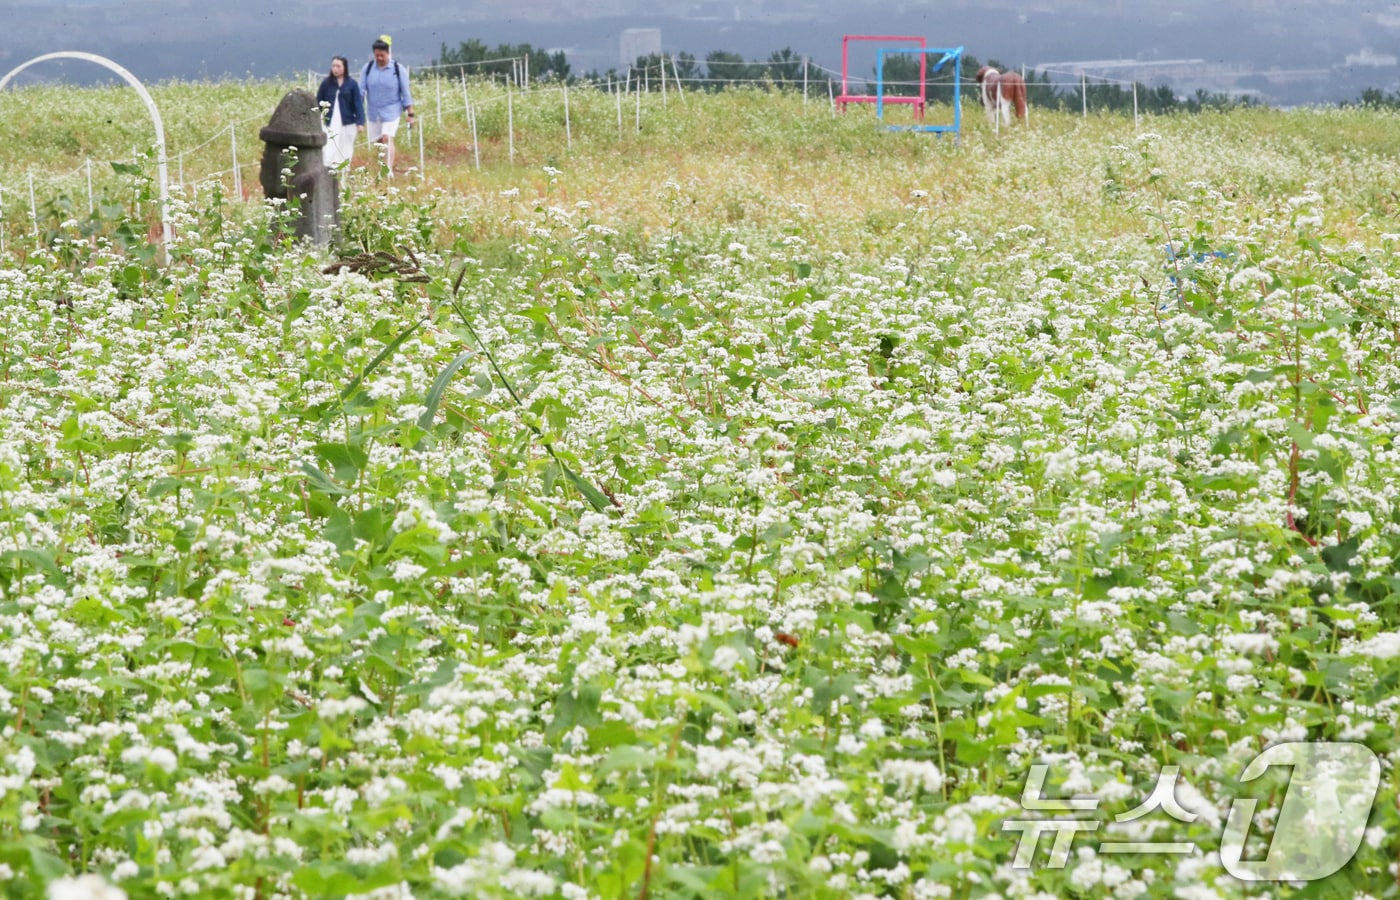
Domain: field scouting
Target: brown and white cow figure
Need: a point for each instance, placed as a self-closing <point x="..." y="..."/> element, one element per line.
<point x="1001" y="93"/>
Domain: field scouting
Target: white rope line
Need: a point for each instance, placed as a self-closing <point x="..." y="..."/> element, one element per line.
<point x="1029" y="74"/>
<point x="81" y="167"/>
<point x="475" y="62"/>
<point x="752" y="62"/>
<point x="216" y="136"/>
<point x="1076" y="75"/>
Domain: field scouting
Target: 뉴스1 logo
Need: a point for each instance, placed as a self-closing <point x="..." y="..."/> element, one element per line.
<point x="1331" y="788"/>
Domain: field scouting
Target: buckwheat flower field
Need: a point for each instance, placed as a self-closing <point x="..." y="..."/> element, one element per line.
<point x="747" y="506"/>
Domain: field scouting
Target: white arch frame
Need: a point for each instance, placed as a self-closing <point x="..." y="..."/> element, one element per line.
<point x="165" y="229"/>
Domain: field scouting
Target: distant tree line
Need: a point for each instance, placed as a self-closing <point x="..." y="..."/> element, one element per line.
<point x="1378" y="99"/>
<point x="513" y="62"/>
<point x="784" y="69"/>
<point x="719" y="70"/>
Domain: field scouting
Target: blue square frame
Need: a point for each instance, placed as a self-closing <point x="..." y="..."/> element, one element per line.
<point x="949" y="53"/>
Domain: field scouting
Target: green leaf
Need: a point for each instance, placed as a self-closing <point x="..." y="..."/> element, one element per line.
<point x="1301" y="435"/>
<point x="483" y="385"/>
<point x="440" y="383"/>
<point x="574" y="706"/>
<point x="596" y="498"/>
<point x="322" y="482"/>
<point x="1111" y="539"/>
<point x="164" y="486"/>
<point x="698" y="880"/>
<point x="383" y="355"/>
<point x="345" y="460"/>
<point x="40" y="559"/>
<point x="340" y="531"/>
<point x="976" y="678"/>
<point x="339" y="879"/>
<point x="46" y="865"/>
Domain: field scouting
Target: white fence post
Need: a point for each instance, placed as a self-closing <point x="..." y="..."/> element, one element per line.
<point x="33" y="207"/>
<point x="510" y="123"/>
<point x="1028" y="96"/>
<point x="476" y="146"/>
<point x="237" y="176"/>
<point x="422" y="164"/>
<point x="680" y="91"/>
<point x="1084" y="95"/>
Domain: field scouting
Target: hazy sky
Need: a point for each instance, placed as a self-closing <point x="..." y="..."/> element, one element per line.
<point x="1323" y="43"/>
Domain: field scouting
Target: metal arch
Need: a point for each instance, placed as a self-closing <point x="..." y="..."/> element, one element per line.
<point x="165" y="228"/>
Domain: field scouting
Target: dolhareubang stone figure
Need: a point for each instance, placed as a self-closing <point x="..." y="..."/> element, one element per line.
<point x="296" y="123"/>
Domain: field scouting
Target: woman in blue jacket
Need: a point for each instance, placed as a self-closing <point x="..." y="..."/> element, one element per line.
<point x="343" y="106"/>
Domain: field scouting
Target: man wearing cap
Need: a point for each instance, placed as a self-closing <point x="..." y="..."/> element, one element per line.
<point x="387" y="97"/>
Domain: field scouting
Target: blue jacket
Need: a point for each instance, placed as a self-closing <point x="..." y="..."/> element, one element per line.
<point x="352" y="100"/>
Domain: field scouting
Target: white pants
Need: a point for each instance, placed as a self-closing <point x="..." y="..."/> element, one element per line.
<point x="388" y="128"/>
<point x="340" y="141"/>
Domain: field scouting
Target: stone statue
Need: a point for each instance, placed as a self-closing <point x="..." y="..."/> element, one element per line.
<point x="296" y="126"/>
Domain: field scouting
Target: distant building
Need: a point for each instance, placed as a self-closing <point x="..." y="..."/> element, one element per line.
<point x="1183" y="76"/>
<point x="1145" y="71"/>
<point x="1369" y="57"/>
<point x="637" y="42"/>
